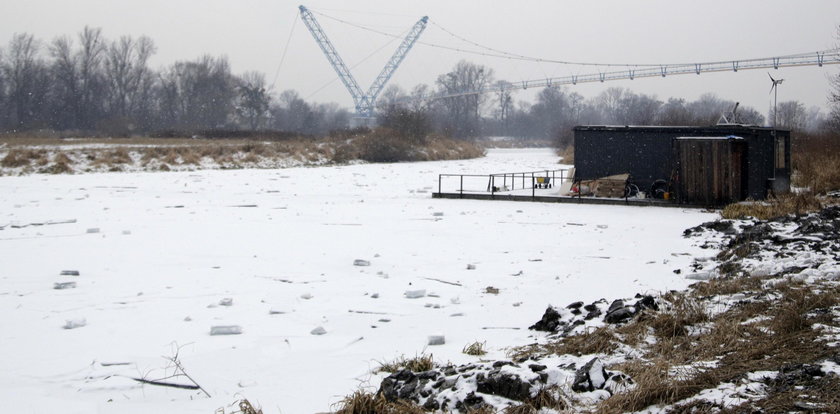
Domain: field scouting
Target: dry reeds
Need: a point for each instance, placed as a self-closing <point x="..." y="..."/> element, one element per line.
<point x="567" y="155"/>
<point x="475" y="349"/>
<point x="362" y="402"/>
<point x="23" y="157"/>
<point x="420" y="363"/>
<point x="782" y="205"/>
<point x="739" y="342"/>
<point x="815" y="160"/>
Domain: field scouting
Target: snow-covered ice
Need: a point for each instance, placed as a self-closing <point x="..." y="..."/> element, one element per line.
<point x="293" y="252"/>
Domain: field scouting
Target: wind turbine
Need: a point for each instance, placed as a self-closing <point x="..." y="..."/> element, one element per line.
<point x="774" y="89"/>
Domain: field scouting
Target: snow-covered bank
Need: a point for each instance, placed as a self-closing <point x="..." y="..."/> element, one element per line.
<point x="158" y="252"/>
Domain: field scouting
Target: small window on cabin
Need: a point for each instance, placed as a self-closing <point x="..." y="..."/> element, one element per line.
<point x="780" y="152"/>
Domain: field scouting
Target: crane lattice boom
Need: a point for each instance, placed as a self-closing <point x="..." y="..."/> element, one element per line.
<point x="364" y="101"/>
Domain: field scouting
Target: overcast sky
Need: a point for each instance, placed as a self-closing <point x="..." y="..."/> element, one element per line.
<point x="253" y="34"/>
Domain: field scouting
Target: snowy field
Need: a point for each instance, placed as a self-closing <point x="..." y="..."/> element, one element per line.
<point x="158" y="252"/>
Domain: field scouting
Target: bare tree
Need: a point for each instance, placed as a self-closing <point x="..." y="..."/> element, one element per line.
<point x="198" y="94"/>
<point x="462" y="113"/>
<point x="91" y="80"/>
<point x="791" y="115"/>
<point x="292" y="113"/>
<point x="127" y="73"/>
<point x="707" y="109"/>
<point x="749" y="116"/>
<point x="253" y="102"/>
<point x="609" y="102"/>
<point x="673" y="113"/>
<point x="3" y="105"/>
<point x="505" y="102"/>
<point x="389" y="98"/>
<point x="65" y="99"/>
<point x="27" y="80"/>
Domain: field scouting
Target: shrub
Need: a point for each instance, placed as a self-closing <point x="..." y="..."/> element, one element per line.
<point x="384" y="145"/>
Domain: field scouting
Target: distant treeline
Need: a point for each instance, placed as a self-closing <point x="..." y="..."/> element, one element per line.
<point x="87" y="84"/>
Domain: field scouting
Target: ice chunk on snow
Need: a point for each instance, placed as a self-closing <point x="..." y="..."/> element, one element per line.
<point x="64" y="285"/>
<point x="226" y="302"/>
<point x="360" y="262"/>
<point x="470" y="267"/>
<point x="415" y="294"/>
<point x="275" y="311"/>
<point x="306" y="296"/>
<point x="225" y="330"/>
<point x="93" y="230"/>
<point x="74" y="323"/>
<point x="437" y="339"/>
<point x="700" y="276"/>
<point x="318" y="331"/>
<point x="69" y="273"/>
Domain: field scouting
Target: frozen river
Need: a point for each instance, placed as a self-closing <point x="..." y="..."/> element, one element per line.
<point x="158" y="252"/>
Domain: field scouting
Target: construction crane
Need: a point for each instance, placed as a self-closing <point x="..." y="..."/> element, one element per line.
<point x="364" y="101"/>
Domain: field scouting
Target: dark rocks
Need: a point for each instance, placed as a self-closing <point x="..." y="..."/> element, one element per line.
<point x="646" y="302"/>
<point x="575" y="305"/>
<point x="590" y="377"/>
<point x="504" y="385"/>
<point x="400" y="385"/>
<point x="537" y="367"/>
<point x="549" y="322"/>
<point x="618" y="303"/>
<point x="471" y="402"/>
<point x="619" y="315"/>
<point x="592" y="314"/>
<point x="721" y="226"/>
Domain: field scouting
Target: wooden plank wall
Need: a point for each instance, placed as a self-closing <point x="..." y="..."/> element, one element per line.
<point x="710" y="170"/>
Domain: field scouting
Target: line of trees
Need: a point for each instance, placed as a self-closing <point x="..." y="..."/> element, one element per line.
<point x="90" y="84"/>
<point x="557" y="110"/>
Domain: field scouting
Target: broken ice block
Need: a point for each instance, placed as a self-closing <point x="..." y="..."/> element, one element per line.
<point x="74" y="323"/>
<point x="64" y="285"/>
<point x="360" y="262"/>
<point x="318" y="331"/>
<point x="414" y="294"/>
<point x="436" y="340"/>
<point x="69" y="273"/>
<point x="226" y="330"/>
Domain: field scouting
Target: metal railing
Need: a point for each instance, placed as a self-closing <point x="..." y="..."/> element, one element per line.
<point x="504" y="182"/>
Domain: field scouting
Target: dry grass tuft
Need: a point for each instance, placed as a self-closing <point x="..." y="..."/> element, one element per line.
<point x="420" y="363"/>
<point x="22" y="157"/>
<point x="361" y="402"/>
<point x="245" y="407"/>
<point x="596" y="341"/>
<point x="475" y="349"/>
<point x="799" y="203"/>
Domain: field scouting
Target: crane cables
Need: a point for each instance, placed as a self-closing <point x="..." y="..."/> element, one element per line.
<point x="285" y="50"/>
<point x="496" y="53"/>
